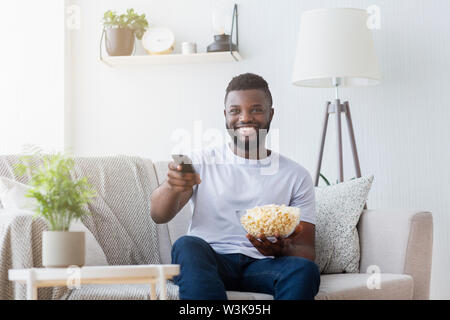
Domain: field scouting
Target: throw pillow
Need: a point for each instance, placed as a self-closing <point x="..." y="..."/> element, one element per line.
<point x="12" y="197"/>
<point x="338" y="209"/>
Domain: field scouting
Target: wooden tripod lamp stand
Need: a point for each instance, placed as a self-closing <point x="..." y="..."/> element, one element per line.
<point x="335" y="49"/>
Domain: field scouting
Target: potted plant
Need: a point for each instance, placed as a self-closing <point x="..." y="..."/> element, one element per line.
<point x="60" y="200"/>
<point x="120" y="31"/>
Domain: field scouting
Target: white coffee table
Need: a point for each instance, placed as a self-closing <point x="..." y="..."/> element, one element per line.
<point x="51" y="277"/>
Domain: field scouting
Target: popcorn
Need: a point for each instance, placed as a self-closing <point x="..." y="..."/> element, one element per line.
<point x="271" y="219"/>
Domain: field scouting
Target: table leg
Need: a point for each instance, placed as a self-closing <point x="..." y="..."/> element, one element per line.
<point x="152" y="289"/>
<point x="31" y="286"/>
<point x="162" y="284"/>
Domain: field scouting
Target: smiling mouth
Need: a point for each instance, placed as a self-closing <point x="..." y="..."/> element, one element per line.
<point x="246" y="131"/>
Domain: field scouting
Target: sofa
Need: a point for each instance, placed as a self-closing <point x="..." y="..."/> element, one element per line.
<point x="395" y="245"/>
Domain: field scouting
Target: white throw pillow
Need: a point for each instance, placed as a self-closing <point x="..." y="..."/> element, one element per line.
<point x="338" y="209"/>
<point x="12" y="197"/>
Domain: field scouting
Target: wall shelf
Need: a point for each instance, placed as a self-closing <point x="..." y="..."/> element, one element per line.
<point x="174" y="58"/>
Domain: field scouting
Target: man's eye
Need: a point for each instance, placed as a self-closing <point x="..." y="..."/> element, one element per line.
<point x="258" y="110"/>
<point x="233" y="111"/>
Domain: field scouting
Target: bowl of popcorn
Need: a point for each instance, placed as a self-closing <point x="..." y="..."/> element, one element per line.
<point x="270" y="219"/>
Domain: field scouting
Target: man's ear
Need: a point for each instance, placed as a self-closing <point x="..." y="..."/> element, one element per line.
<point x="225" y="113"/>
<point x="272" y="111"/>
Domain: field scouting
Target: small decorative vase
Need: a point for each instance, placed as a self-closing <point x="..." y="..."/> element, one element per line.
<point x="61" y="249"/>
<point x="188" y="48"/>
<point x="221" y="43"/>
<point x="119" y="41"/>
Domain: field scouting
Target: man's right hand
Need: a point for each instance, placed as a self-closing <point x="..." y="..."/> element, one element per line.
<point x="181" y="181"/>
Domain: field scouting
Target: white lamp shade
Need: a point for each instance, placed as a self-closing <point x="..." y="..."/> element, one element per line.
<point x="335" y="43"/>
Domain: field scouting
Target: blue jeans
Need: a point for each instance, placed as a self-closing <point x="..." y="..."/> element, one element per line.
<point x="206" y="274"/>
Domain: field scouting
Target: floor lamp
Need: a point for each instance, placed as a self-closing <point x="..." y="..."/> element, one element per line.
<point x="335" y="49"/>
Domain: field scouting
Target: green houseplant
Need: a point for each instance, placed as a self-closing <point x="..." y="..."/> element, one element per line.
<point x="60" y="200"/>
<point x="328" y="182"/>
<point x="121" y="30"/>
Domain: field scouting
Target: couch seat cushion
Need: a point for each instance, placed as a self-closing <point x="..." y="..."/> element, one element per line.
<point x="353" y="286"/>
<point x="346" y="286"/>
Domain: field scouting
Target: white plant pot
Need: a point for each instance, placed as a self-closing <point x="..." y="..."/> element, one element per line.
<point x="61" y="249"/>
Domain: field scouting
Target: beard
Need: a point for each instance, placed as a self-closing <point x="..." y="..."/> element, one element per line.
<point x="248" y="142"/>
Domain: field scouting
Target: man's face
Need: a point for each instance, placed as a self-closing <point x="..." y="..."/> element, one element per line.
<point x="247" y="117"/>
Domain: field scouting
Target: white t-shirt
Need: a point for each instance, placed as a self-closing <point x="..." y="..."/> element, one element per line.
<point x="230" y="183"/>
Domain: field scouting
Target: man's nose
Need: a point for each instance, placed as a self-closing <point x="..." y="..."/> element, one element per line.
<point x="245" y="116"/>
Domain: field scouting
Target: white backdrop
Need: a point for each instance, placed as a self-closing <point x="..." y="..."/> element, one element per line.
<point x="401" y="126"/>
<point x="31" y="75"/>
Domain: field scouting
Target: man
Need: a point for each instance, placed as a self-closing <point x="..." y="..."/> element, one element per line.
<point x="217" y="255"/>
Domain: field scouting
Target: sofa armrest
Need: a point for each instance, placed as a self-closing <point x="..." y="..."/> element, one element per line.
<point x="398" y="241"/>
<point x="20" y="248"/>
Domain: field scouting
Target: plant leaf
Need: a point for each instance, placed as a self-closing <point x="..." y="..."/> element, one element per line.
<point x="325" y="179"/>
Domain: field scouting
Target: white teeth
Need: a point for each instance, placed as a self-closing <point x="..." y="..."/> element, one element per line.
<point x="246" y="131"/>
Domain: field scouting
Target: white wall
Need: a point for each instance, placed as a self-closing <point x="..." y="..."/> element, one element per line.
<point x="31" y="75"/>
<point x="401" y="126"/>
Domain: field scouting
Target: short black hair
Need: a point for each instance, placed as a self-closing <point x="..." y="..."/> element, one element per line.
<point x="249" y="81"/>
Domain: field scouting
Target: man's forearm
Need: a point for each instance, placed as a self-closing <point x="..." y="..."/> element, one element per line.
<point x="300" y="250"/>
<point x="165" y="203"/>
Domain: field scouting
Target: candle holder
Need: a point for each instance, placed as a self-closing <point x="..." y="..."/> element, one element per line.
<point x="222" y="40"/>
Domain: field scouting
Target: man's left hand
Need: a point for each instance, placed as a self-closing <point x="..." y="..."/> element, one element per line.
<point x="267" y="247"/>
<point x="276" y="248"/>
